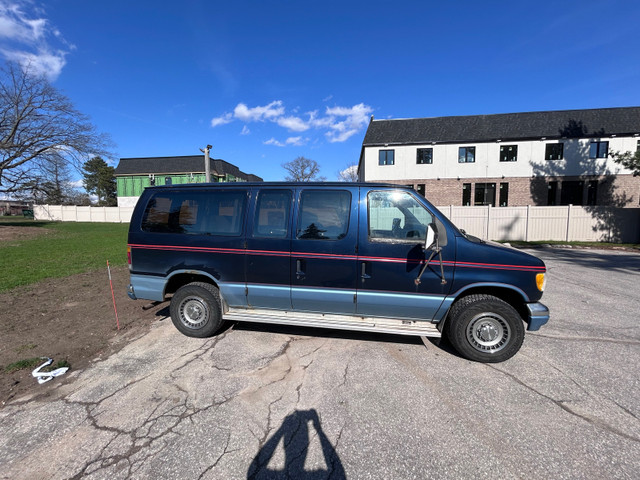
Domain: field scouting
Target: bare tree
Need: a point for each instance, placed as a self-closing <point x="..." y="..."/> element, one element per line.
<point x="38" y="127"/>
<point x="303" y="170"/>
<point x="349" y="173"/>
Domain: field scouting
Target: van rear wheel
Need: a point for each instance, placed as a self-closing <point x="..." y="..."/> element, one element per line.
<point x="485" y="329"/>
<point x="195" y="310"/>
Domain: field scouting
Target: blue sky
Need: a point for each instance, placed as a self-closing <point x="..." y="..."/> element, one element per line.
<point x="267" y="81"/>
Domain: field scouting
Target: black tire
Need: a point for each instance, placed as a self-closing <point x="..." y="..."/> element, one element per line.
<point x="195" y="310"/>
<point x="485" y="329"/>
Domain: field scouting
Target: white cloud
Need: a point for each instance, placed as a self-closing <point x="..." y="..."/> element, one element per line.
<point x="30" y="40"/>
<point x="295" y="141"/>
<point x="224" y="119"/>
<point x="355" y="118"/>
<point x="295" y="124"/>
<point x="273" y="141"/>
<point x="339" y="123"/>
<point x="245" y="130"/>
<point x="258" y="114"/>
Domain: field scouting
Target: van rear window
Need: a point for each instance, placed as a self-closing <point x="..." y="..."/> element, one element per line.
<point x="196" y="213"/>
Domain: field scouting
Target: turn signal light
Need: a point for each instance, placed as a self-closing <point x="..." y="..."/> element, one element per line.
<point x="541" y="281"/>
<point x="129" y="257"/>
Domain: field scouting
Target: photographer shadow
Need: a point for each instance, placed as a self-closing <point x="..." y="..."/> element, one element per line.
<point x="294" y="433"/>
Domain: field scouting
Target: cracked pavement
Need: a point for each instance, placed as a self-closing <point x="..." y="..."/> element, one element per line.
<point x="262" y="401"/>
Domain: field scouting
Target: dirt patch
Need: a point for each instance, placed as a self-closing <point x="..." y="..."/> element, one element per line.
<point x="68" y="319"/>
<point x="9" y="233"/>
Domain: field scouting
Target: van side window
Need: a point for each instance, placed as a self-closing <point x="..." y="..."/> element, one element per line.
<point x="324" y="214"/>
<point x="272" y="214"/>
<point x="396" y="215"/>
<point x="196" y="213"/>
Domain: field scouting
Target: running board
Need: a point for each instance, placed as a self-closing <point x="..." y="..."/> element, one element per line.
<point x="341" y="322"/>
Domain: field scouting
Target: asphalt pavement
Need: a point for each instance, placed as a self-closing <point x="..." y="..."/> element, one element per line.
<point x="276" y="402"/>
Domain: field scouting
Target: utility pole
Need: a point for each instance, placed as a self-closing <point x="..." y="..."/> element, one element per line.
<point x="207" y="163"/>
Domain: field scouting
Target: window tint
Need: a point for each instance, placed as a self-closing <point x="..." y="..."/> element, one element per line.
<point x="272" y="214"/>
<point x="196" y="213"/>
<point x="324" y="214"/>
<point x="395" y="215"/>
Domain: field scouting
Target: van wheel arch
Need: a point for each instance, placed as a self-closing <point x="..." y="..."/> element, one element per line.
<point x="181" y="279"/>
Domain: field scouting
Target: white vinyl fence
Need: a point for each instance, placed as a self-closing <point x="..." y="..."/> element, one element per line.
<point x="64" y="213"/>
<point x="565" y="223"/>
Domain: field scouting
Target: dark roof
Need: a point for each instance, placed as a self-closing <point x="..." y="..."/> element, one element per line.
<point x="506" y="126"/>
<point x="185" y="164"/>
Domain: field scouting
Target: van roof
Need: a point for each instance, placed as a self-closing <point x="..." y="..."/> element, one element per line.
<point x="281" y="184"/>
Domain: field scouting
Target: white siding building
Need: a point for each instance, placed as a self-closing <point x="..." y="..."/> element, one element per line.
<point x="535" y="158"/>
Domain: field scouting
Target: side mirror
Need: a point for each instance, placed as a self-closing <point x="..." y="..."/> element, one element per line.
<point x="431" y="240"/>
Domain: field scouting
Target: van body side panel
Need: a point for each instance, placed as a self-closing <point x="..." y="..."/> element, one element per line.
<point x="194" y="247"/>
<point x="323" y="250"/>
<point x="487" y="263"/>
<point x="388" y="268"/>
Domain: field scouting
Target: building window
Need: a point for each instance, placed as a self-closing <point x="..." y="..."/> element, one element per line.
<point x="485" y="194"/>
<point x="571" y="193"/>
<point x="552" y="193"/>
<point x="466" y="194"/>
<point x="168" y="181"/>
<point x="554" y="151"/>
<point x="592" y="192"/>
<point x="467" y="155"/>
<point x="386" y="157"/>
<point x="508" y="153"/>
<point x="424" y="156"/>
<point x="598" y="149"/>
<point x="421" y="189"/>
<point x="504" y="195"/>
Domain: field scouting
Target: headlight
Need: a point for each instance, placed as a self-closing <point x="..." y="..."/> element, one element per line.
<point x="541" y="281"/>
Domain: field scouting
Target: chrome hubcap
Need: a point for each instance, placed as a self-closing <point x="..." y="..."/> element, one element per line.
<point x="193" y="312"/>
<point x="488" y="332"/>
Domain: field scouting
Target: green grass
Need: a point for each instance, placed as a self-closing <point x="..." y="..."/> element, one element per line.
<point x="67" y="248"/>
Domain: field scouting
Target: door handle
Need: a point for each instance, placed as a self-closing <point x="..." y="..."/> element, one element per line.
<point x="300" y="266"/>
<point x="363" y="273"/>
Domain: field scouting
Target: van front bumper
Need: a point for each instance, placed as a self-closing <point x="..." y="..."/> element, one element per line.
<point x="538" y="316"/>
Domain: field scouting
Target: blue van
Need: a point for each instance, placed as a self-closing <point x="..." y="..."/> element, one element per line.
<point x="353" y="256"/>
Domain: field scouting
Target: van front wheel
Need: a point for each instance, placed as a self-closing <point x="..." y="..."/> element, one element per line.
<point x="485" y="328"/>
<point x="195" y="310"/>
